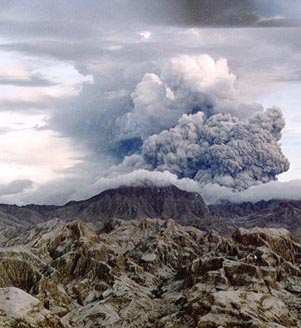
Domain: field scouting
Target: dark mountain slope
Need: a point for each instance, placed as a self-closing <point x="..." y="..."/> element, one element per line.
<point x="130" y="203"/>
<point x="126" y="203"/>
<point x="272" y="214"/>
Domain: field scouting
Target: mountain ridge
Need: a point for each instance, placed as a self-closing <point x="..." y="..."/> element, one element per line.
<point x="131" y="203"/>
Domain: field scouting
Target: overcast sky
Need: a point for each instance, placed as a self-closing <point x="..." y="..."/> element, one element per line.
<point x="68" y="70"/>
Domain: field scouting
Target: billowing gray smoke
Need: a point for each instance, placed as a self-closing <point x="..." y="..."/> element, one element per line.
<point x="222" y="149"/>
<point x="189" y="119"/>
<point x="218" y="139"/>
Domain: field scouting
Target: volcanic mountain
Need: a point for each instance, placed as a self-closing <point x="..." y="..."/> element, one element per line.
<point x="141" y="202"/>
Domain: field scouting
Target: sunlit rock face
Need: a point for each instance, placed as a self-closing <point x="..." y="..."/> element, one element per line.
<point x="149" y="273"/>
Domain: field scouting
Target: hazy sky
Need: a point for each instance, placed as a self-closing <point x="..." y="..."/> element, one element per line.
<point x="68" y="69"/>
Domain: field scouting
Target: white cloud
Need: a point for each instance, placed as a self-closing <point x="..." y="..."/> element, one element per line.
<point x="37" y="155"/>
<point x="145" y="35"/>
<point x="57" y="80"/>
<point x="14" y="74"/>
<point x="38" y="96"/>
<point x="185" y="84"/>
<point x="59" y="72"/>
<point x="289" y="190"/>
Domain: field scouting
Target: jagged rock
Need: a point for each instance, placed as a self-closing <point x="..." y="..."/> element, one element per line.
<point x="152" y="273"/>
<point x="20" y="309"/>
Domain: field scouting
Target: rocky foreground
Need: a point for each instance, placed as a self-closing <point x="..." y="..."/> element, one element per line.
<point x="149" y="273"/>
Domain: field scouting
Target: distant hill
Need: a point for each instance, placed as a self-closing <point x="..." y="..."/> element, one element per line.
<point x="136" y="203"/>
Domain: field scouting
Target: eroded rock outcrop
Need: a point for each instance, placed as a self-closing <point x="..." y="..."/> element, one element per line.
<point x="150" y="273"/>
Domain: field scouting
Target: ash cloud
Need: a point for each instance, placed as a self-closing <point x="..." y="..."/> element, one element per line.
<point x="221" y="149"/>
<point x="217" y="138"/>
<point x="184" y="117"/>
